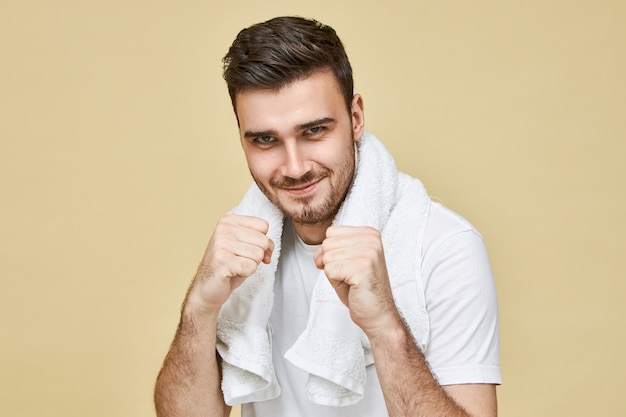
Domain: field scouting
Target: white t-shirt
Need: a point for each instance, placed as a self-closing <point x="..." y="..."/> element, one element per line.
<point x="462" y="309"/>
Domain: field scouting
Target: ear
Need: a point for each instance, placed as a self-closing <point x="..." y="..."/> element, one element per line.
<point x="357" y="112"/>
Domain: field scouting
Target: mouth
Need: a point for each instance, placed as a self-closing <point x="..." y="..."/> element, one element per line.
<point x="303" y="189"/>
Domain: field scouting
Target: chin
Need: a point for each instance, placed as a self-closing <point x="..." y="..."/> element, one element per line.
<point x="312" y="215"/>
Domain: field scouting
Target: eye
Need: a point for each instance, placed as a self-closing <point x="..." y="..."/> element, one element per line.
<point x="264" y="140"/>
<point x="315" y="130"/>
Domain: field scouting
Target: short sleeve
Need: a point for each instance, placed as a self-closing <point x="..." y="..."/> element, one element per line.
<point x="461" y="301"/>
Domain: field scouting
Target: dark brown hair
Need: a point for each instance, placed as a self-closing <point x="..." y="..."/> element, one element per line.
<point x="275" y="53"/>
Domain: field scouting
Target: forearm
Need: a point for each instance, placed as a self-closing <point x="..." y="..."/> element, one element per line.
<point x="189" y="382"/>
<point x="408" y="385"/>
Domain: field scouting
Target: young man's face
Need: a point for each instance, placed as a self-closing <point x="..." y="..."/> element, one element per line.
<point x="299" y="144"/>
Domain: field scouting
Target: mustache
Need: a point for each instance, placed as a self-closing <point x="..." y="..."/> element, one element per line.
<point x="309" y="177"/>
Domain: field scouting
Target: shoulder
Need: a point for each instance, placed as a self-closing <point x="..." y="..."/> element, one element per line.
<point x="453" y="250"/>
<point x="444" y="225"/>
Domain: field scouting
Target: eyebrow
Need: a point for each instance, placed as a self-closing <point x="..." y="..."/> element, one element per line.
<point x="251" y="134"/>
<point x="304" y="126"/>
<point x="313" y="123"/>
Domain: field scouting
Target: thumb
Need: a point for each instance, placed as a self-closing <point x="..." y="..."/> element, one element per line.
<point x="318" y="257"/>
<point x="267" y="257"/>
<point x="342" y="289"/>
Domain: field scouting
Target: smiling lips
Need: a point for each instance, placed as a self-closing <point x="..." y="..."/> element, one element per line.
<point x="304" y="189"/>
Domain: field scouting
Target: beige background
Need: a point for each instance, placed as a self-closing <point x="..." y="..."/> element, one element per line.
<point x="119" y="152"/>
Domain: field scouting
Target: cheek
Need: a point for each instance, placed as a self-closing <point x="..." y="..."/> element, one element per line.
<point x="342" y="157"/>
<point x="260" y="166"/>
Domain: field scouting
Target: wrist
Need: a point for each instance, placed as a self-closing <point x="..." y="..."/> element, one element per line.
<point x="393" y="330"/>
<point x="197" y="309"/>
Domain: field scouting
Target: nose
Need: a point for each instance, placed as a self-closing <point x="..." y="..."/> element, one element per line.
<point x="295" y="165"/>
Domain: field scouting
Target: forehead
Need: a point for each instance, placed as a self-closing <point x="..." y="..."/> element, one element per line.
<point x="314" y="97"/>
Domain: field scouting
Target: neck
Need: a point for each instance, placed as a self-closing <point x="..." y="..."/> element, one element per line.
<point x="312" y="234"/>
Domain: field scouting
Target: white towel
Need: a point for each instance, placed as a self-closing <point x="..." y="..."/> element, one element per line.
<point x="332" y="349"/>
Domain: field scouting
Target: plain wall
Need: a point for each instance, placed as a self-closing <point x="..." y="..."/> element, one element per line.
<point x="119" y="152"/>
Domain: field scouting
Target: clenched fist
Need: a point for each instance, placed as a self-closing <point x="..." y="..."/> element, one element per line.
<point x="236" y="248"/>
<point x="354" y="262"/>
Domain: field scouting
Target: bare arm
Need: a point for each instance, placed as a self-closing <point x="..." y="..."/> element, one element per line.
<point x="410" y="388"/>
<point x="189" y="382"/>
<point x="353" y="260"/>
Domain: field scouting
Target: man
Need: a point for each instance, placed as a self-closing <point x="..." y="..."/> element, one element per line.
<point x="336" y="285"/>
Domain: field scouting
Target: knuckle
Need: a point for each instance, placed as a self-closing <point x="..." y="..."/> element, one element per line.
<point x="222" y="229"/>
<point x="221" y="255"/>
<point x="263" y="225"/>
<point x="255" y="253"/>
<point x="370" y="252"/>
<point x="229" y="217"/>
<point x="247" y="267"/>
